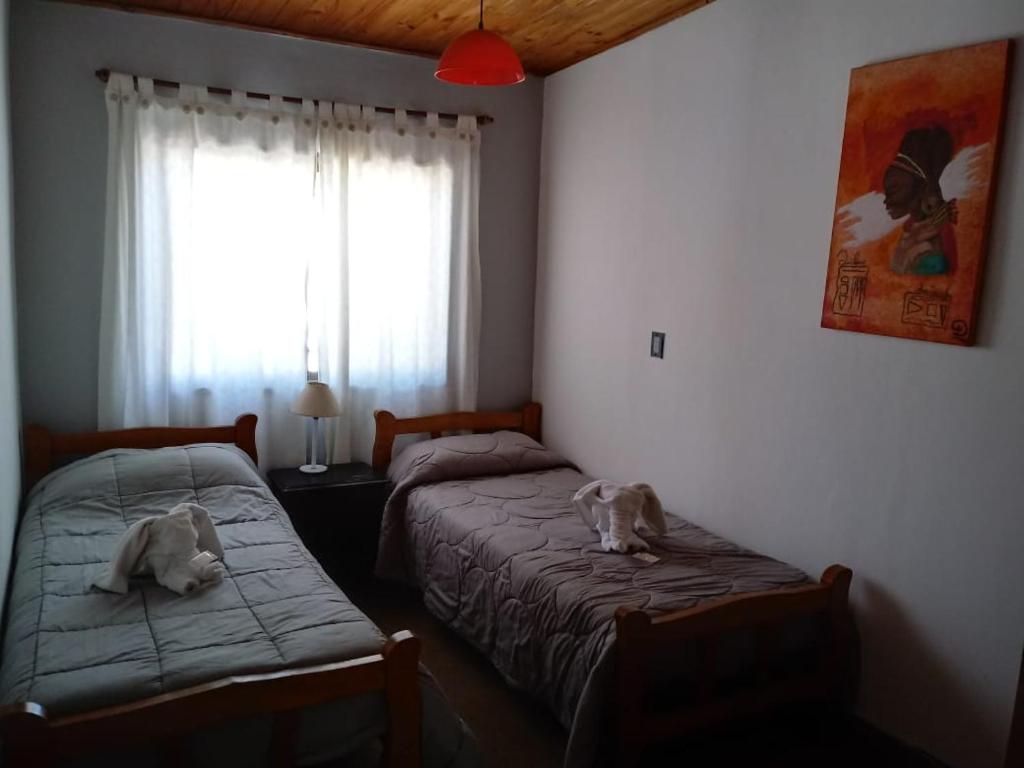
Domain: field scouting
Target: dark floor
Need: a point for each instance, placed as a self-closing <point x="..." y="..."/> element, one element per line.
<point x="515" y="730"/>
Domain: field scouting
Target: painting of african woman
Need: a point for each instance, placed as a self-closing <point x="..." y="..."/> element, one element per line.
<point x="916" y="188"/>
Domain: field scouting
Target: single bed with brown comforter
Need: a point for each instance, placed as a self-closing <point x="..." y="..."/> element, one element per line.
<point x="484" y="525"/>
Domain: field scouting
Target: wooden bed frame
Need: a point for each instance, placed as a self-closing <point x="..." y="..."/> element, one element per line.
<point x="641" y="636"/>
<point x="761" y="615"/>
<point x="42" y="447"/>
<point x="32" y="738"/>
<point x="526" y="420"/>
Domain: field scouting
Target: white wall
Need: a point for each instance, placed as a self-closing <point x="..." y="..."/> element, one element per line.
<point x="60" y="143"/>
<point x="687" y="185"/>
<point x="10" y="456"/>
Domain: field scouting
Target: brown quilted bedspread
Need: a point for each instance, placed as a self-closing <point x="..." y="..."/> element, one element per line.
<point x="484" y="525"/>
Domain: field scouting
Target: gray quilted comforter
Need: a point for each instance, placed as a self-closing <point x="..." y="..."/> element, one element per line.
<point x="74" y="648"/>
<point x="484" y="525"/>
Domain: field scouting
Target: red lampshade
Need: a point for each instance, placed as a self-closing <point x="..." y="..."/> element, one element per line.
<point x="479" y="57"/>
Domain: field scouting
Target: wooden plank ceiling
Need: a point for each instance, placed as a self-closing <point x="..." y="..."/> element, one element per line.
<point x="548" y="34"/>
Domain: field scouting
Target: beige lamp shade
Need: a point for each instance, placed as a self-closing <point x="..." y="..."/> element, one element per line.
<point x="317" y="400"/>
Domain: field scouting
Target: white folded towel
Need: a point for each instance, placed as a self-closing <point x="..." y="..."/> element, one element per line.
<point x="618" y="511"/>
<point x="180" y="549"/>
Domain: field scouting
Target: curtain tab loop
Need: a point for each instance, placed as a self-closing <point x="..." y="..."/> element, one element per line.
<point x="466" y="126"/>
<point x="325" y="113"/>
<point x="276" y="108"/>
<point x="401" y="121"/>
<point x="202" y="98"/>
<point x="119" y="85"/>
<point x="348" y="116"/>
<point x="145" y="88"/>
<point x="433" y="122"/>
<point x="238" y="103"/>
<point x="188" y="97"/>
<point x="368" y="117"/>
<point x="308" y="112"/>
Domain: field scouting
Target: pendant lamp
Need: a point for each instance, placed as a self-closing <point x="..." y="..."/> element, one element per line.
<point x="480" y="57"/>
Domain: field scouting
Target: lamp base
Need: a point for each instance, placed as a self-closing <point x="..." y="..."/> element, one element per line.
<point x="312" y="469"/>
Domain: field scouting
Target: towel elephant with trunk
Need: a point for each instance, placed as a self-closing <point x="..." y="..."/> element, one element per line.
<point x="180" y="549"/>
<point x="619" y="511"/>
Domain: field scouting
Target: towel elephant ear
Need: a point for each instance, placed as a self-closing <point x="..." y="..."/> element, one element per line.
<point x="207" y="534"/>
<point x="208" y="538"/>
<point x="585" y="499"/>
<point x="651" y="512"/>
<point x="127" y="557"/>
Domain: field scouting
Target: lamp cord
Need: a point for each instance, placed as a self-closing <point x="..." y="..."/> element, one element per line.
<point x="480" y="24"/>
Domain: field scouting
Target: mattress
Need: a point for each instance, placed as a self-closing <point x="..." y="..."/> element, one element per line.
<point x="484" y="525"/>
<point x="73" y="648"/>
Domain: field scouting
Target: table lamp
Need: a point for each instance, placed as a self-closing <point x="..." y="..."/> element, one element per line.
<point x="316" y="400"/>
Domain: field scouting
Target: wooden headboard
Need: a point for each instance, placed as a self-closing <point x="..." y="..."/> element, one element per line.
<point x="42" y="446"/>
<point x="526" y="420"/>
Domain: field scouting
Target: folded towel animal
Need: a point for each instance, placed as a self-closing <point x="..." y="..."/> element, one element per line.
<point x="618" y="511"/>
<point x="179" y="549"/>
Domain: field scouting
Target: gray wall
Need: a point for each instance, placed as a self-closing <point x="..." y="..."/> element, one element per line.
<point x="688" y="184"/>
<point x="60" y="168"/>
<point x="10" y="457"/>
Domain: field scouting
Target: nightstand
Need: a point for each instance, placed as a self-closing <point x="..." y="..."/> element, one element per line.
<point x="337" y="513"/>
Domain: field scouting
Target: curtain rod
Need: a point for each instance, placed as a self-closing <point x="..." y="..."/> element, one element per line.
<point x="104" y="75"/>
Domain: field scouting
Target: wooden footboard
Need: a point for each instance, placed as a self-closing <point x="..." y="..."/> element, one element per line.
<point x="641" y="637"/>
<point x="31" y="738"/>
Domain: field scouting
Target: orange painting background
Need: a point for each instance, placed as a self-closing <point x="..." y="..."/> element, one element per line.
<point x="963" y="90"/>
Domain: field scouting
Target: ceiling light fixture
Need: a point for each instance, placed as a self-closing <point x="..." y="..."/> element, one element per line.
<point x="480" y="57"/>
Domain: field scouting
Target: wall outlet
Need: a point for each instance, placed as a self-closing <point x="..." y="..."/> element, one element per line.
<point x="657" y="344"/>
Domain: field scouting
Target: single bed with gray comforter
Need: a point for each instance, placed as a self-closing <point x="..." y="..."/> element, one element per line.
<point x="484" y="525"/>
<point x="74" y="648"/>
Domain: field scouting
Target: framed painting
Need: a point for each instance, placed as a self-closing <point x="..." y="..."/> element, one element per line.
<point x="915" y="194"/>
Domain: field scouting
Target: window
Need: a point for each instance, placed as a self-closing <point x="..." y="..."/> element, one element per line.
<point x="240" y="236"/>
<point x="400" y="215"/>
<point x="250" y="248"/>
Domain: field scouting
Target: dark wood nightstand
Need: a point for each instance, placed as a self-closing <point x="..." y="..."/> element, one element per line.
<point x="337" y="513"/>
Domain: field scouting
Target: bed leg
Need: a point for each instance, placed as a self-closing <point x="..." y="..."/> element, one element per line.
<point x="844" y="661"/>
<point x="401" y="661"/>
<point x="174" y="753"/>
<point x="282" y="742"/>
<point x="628" y="715"/>
<point x="24" y="729"/>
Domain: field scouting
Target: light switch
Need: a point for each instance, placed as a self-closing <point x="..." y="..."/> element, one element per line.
<point x="657" y="344"/>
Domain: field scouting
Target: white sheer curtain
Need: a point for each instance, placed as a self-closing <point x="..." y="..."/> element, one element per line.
<point x="251" y="246"/>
